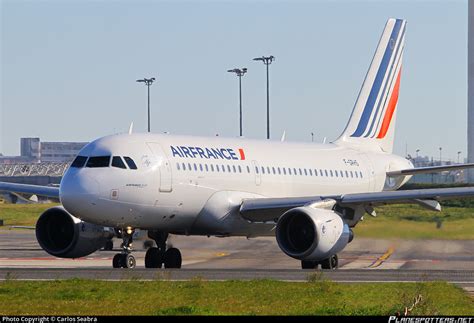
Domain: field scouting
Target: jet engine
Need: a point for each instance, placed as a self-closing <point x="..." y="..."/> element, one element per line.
<point x="312" y="234"/>
<point x="62" y="235"/>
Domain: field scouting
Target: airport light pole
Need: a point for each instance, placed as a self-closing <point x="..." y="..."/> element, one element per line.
<point x="440" y="151"/>
<point x="312" y="137"/>
<point x="148" y="83"/>
<point x="239" y="72"/>
<point x="417" y="151"/>
<point x="459" y="153"/>
<point x="267" y="60"/>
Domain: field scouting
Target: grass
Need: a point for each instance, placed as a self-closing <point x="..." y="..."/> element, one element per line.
<point x="414" y="222"/>
<point x="257" y="297"/>
<point x="21" y="214"/>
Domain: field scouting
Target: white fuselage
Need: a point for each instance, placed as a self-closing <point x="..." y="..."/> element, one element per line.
<point x="191" y="185"/>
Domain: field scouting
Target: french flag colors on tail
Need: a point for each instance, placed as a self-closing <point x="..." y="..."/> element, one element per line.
<point x="372" y="120"/>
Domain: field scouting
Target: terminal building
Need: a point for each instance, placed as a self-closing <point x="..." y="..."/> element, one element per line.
<point x="34" y="151"/>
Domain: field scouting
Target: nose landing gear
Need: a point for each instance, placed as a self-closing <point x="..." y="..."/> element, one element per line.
<point x="125" y="259"/>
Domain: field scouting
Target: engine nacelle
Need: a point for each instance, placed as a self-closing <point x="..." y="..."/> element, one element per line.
<point x="314" y="234"/>
<point x="62" y="235"/>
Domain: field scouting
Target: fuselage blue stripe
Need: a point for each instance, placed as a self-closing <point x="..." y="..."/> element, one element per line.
<point x="387" y="82"/>
<point x="369" y="106"/>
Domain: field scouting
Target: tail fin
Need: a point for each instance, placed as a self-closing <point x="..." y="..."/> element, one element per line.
<point x="372" y="123"/>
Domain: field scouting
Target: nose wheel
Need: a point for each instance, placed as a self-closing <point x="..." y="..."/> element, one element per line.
<point x="125" y="259"/>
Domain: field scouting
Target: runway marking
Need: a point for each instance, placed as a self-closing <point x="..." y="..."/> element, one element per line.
<point x="382" y="258"/>
<point x="221" y="254"/>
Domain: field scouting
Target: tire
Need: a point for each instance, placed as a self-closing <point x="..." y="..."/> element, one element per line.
<point x="129" y="261"/>
<point x="330" y="263"/>
<point x="117" y="261"/>
<point x="153" y="258"/>
<point x="172" y="258"/>
<point x="308" y="264"/>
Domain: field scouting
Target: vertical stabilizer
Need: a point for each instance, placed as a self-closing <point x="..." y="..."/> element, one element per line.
<point x="372" y="123"/>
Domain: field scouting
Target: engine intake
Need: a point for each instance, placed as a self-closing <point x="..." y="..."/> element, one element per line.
<point x="62" y="235"/>
<point x="308" y="233"/>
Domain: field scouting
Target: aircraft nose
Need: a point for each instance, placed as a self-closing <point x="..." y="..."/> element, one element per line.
<point x="78" y="192"/>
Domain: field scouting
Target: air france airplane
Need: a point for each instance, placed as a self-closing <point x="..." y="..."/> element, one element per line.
<point x="309" y="196"/>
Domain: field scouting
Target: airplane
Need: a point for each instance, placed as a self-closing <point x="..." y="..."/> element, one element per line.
<point x="309" y="196"/>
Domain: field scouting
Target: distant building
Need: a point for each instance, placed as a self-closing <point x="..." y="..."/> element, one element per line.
<point x="60" y="151"/>
<point x="34" y="151"/>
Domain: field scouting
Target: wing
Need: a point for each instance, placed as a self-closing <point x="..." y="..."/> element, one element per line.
<point x="47" y="191"/>
<point x="270" y="209"/>
<point x="428" y="170"/>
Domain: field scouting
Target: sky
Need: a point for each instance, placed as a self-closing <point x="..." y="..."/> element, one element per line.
<point x="69" y="69"/>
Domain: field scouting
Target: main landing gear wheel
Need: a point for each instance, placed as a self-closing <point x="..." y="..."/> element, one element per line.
<point x="330" y="263"/>
<point x="172" y="258"/>
<point x="125" y="259"/>
<point x="154" y="258"/>
<point x="159" y="256"/>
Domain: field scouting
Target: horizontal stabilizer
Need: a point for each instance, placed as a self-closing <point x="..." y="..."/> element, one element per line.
<point x="429" y="170"/>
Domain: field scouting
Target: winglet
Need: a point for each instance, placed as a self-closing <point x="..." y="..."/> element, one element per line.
<point x="130" y="129"/>
<point x="283" y="136"/>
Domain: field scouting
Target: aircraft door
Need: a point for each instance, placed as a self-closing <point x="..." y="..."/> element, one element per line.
<point x="164" y="166"/>
<point x="258" y="176"/>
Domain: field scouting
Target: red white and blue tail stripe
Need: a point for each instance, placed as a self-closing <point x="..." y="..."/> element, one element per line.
<point x="373" y="117"/>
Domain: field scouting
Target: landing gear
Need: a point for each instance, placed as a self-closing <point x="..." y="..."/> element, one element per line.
<point x="158" y="256"/>
<point x="125" y="259"/>
<point x="329" y="263"/>
<point x="109" y="245"/>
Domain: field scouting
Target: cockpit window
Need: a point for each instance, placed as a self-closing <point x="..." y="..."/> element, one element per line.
<point x="99" y="161"/>
<point x="118" y="162"/>
<point x="79" y="162"/>
<point x="131" y="164"/>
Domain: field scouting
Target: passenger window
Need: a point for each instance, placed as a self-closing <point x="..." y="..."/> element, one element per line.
<point x="234" y="169"/>
<point x="99" y="161"/>
<point x="207" y="167"/>
<point x="289" y="171"/>
<point x="200" y="167"/>
<point x="189" y="167"/>
<point x="352" y="175"/>
<point x="268" y="170"/>
<point x="347" y="174"/>
<point x="310" y="172"/>
<point x="223" y="168"/>
<point x="315" y="172"/>
<point x="342" y="173"/>
<point x="361" y="175"/>
<point x="279" y="171"/>
<point x="301" y="173"/>
<point x="263" y="170"/>
<point x="118" y="162"/>
<point x="294" y="171"/>
<point x="305" y="172"/>
<point x="228" y="168"/>
<point x="184" y="166"/>
<point x="336" y="172"/>
<point x="248" y="169"/>
<point x="321" y="172"/>
<point x="356" y="174"/>
<point x="177" y="164"/>
<point x="330" y="172"/>
<point x="212" y="168"/>
<point x="79" y="162"/>
<point x="240" y="169"/>
<point x="131" y="164"/>
<point x="256" y="170"/>
<point x="284" y="170"/>
<point x="217" y="168"/>
<point x="195" y="167"/>
<point x="326" y="172"/>
<point x="273" y="170"/>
